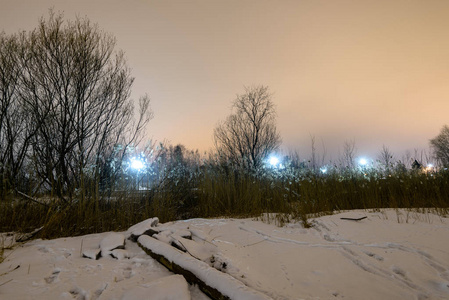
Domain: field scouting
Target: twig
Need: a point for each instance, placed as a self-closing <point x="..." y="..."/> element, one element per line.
<point x="205" y="240"/>
<point x="5" y="282"/>
<point x="187" y="250"/>
<point x="18" y="266"/>
<point x="254" y="243"/>
<point x="210" y="242"/>
<point x="31" y="198"/>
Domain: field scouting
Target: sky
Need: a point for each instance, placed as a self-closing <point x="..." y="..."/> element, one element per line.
<point x="372" y="72"/>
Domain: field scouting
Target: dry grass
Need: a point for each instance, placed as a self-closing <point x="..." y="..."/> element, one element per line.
<point x="7" y="242"/>
<point x="216" y="193"/>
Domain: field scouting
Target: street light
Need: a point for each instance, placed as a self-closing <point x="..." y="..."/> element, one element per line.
<point x="273" y="160"/>
<point x="136" y="164"/>
<point x="363" y="162"/>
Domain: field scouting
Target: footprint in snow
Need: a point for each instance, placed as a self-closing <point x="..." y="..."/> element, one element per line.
<point x="328" y="238"/>
<point x="53" y="277"/>
<point x="42" y="249"/>
<point x="78" y="293"/>
<point x="373" y="255"/>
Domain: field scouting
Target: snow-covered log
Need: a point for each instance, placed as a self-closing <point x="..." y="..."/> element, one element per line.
<point x="92" y="253"/>
<point x="111" y="242"/>
<point x="147" y="227"/>
<point x="214" y="283"/>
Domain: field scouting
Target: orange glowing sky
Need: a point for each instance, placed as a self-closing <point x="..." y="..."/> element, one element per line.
<point x="373" y="71"/>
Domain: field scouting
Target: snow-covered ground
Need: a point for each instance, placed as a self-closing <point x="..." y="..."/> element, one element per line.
<point x="388" y="255"/>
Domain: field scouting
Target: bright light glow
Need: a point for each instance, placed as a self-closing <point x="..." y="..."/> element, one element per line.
<point x="363" y="162"/>
<point x="429" y="166"/>
<point x="273" y="161"/>
<point x="323" y="170"/>
<point x="137" y="164"/>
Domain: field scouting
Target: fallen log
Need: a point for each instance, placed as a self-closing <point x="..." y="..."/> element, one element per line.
<point x="212" y="282"/>
<point x="354" y="219"/>
<point x="28" y="236"/>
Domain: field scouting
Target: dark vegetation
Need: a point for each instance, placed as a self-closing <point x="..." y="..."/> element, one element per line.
<point x="68" y="133"/>
<point x="183" y="185"/>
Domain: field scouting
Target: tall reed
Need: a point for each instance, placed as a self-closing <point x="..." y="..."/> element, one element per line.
<point x="212" y="191"/>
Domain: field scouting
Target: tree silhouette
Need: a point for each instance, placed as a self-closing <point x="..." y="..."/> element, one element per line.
<point x="72" y="96"/>
<point x="248" y="135"/>
<point x="440" y="145"/>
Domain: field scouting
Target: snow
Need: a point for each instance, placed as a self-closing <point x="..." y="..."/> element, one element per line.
<point x="119" y="254"/>
<point x="392" y="254"/>
<point x="202" y="252"/>
<point x="112" y="242"/>
<point x="167" y="288"/>
<point x="92" y="253"/>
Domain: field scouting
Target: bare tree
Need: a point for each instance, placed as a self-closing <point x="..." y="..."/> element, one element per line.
<point x="386" y="158"/>
<point x="8" y="84"/>
<point x="313" y="159"/>
<point x="349" y="153"/>
<point x="440" y="146"/>
<point x="248" y="135"/>
<point x="74" y="92"/>
<point x="15" y="129"/>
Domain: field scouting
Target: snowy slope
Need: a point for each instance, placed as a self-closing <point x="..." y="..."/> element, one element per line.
<point x="389" y="255"/>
